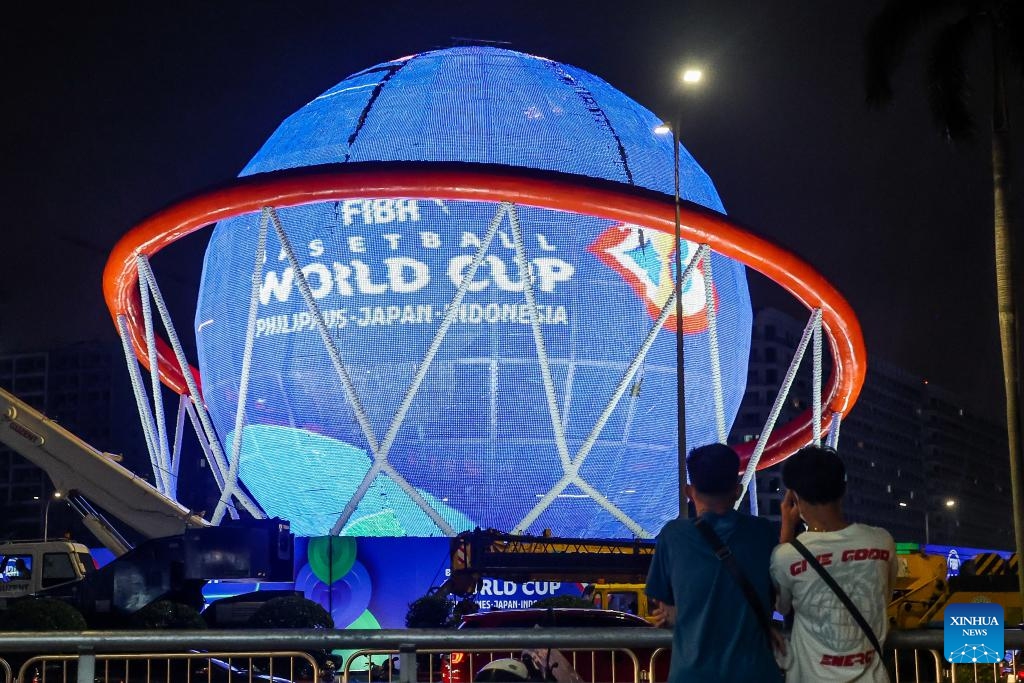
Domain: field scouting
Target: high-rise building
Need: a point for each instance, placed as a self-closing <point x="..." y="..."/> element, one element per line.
<point x="23" y="486"/>
<point x="880" y="441"/>
<point x="84" y="388"/>
<point x="966" y="464"/>
<point x="918" y="462"/>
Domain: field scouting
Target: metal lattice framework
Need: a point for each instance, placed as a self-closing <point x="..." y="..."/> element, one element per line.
<point x="131" y="292"/>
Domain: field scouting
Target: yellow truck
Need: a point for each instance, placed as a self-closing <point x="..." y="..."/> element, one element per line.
<point x="923" y="590"/>
<point x="624" y="597"/>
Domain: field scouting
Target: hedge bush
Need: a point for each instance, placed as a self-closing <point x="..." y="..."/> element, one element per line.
<point x="430" y="611"/>
<point x="167" y="615"/>
<point x="42" y="614"/>
<point x="293" y="611"/>
<point x="564" y="601"/>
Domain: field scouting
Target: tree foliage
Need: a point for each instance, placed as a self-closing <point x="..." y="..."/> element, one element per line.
<point x="430" y="611"/>
<point x="435" y="610"/>
<point x="951" y="26"/>
<point x="461" y="609"/>
<point x="564" y="601"/>
<point x="293" y="611"/>
<point x="42" y="614"/>
<point x="957" y="25"/>
<point x="167" y="615"/>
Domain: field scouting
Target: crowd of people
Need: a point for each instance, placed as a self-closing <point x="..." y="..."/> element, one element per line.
<point x="719" y="576"/>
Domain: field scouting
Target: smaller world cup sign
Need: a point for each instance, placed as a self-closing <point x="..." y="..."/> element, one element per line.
<point x="973" y="633"/>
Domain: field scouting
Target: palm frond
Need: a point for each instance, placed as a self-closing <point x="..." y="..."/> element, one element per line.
<point x="947" y="82"/>
<point x="887" y="38"/>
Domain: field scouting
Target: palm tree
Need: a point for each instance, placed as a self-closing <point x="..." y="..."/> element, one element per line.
<point x="953" y="26"/>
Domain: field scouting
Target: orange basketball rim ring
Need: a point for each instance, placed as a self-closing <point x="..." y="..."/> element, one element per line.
<point x="830" y="312"/>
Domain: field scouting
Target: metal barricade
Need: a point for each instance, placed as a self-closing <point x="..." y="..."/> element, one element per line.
<point x="163" y="667"/>
<point x="916" y="657"/>
<point x="270" y="656"/>
<point x="144" y="656"/>
<point x="592" y="665"/>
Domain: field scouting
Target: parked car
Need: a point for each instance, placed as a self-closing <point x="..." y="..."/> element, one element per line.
<point x="596" y="667"/>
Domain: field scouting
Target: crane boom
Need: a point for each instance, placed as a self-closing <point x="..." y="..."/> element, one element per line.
<point x="75" y="467"/>
<point x="476" y="554"/>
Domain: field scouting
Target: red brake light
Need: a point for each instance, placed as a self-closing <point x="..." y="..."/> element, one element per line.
<point x="451" y="672"/>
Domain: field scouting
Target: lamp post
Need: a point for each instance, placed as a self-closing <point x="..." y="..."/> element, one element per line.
<point x="689" y="78"/>
<point x="949" y="504"/>
<point x="57" y="495"/>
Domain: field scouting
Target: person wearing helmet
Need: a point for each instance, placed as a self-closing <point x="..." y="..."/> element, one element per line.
<point x="506" y="670"/>
<point x="537" y="665"/>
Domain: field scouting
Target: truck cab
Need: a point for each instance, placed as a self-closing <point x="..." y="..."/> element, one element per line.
<point x="623" y="597"/>
<point x="26" y="567"/>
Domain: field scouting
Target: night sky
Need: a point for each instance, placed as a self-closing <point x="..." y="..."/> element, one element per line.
<point x="114" y="110"/>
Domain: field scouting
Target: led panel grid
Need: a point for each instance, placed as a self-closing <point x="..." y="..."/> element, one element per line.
<point x="478" y="442"/>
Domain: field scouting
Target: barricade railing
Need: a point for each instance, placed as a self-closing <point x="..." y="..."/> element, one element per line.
<point x="590" y="665"/>
<point x="916" y="655"/>
<point x="166" y="667"/>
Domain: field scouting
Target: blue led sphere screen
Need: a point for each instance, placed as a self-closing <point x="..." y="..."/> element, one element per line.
<point x="479" y="347"/>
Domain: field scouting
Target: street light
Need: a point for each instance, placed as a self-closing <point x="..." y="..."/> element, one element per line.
<point x="57" y="495"/>
<point x="949" y="503"/>
<point x="689" y="78"/>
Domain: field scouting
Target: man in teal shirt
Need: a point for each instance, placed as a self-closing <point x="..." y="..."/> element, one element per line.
<point x="717" y="637"/>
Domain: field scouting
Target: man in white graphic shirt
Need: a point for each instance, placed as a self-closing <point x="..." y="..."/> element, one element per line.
<point x="827" y="643"/>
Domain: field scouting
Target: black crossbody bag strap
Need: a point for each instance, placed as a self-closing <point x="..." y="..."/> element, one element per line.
<point x="843" y="598"/>
<point x="723" y="553"/>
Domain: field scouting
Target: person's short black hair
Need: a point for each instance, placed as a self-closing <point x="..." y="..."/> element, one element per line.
<point x="816" y="474"/>
<point x="714" y="468"/>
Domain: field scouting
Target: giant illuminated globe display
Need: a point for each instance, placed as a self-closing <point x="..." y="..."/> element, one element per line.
<point x="505" y="412"/>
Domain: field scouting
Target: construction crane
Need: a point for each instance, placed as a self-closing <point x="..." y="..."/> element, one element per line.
<point x="88" y="478"/>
